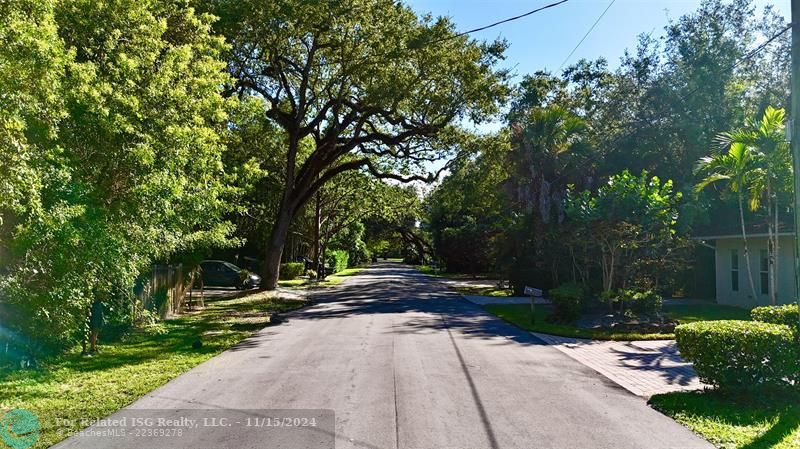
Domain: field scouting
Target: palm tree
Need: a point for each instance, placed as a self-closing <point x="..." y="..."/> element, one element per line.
<point x="551" y="140"/>
<point x="769" y="176"/>
<point x="734" y="167"/>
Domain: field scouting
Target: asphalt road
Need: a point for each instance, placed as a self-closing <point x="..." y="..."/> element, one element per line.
<point x="404" y="363"/>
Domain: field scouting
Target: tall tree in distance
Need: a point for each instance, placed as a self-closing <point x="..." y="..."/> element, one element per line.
<point x="369" y="83"/>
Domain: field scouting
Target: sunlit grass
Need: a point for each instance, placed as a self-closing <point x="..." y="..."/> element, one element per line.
<point x="329" y="281"/>
<point x="74" y="387"/>
<point x="736" y="420"/>
<point x="483" y="291"/>
<point x="520" y="315"/>
<point x="705" y="312"/>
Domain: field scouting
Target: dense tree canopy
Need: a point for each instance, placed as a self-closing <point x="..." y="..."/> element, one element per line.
<point x="660" y="110"/>
<point x="140" y="132"/>
<point x="129" y="171"/>
<point x="367" y="82"/>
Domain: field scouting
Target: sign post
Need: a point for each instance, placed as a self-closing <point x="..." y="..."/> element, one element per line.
<point x="533" y="293"/>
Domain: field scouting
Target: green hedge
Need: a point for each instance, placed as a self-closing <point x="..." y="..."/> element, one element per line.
<point x="568" y="300"/>
<point x="736" y="354"/>
<point x="646" y="301"/>
<point x="787" y="315"/>
<point x="291" y="270"/>
<point x="638" y="301"/>
<point x="337" y="260"/>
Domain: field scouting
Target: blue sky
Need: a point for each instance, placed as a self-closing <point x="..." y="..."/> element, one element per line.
<point x="543" y="40"/>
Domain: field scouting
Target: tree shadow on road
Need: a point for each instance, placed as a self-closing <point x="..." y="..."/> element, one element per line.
<point x="394" y="290"/>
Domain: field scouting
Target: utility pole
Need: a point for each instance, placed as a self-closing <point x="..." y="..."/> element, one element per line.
<point x="795" y="139"/>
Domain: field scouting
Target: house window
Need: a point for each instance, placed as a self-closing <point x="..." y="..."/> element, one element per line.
<point x="735" y="270"/>
<point x="763" y="273"/>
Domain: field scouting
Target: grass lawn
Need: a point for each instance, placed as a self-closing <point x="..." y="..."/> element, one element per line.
<point x="330" y="281"/>
<point x="75" y="387"/>
<point x="707" y="312"/>
<point x="520" y="315"/>
<point x="483" y="291"/>
<point x="472" y="290"/>
<point x="736" y="420"/>
<point x="430" y="271"/>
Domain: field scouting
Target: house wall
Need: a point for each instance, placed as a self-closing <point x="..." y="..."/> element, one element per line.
<point x="743" y="297"/>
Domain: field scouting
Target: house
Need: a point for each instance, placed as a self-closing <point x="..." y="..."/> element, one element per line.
<point x="732" y="283"/>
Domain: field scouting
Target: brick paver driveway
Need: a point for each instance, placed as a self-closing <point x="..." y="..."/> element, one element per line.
<point x="644" y="368"/>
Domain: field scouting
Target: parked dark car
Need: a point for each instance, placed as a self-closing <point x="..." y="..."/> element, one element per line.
<point x="219" y="273"/>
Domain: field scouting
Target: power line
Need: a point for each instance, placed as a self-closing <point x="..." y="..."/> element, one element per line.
<point x="378" y="58"/>
<point x="510" y="19"/>
<point x="587" y="34"/>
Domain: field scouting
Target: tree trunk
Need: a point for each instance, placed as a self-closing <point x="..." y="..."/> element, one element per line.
<point x="776" y="249"/>
<point x="746" y="249"/>
<point x="277" y="240"/>
<point x="283" y="219"/>
<point x="321" y="274"/>
<point x="317" y="236"/>
<point x="772" y="243"/>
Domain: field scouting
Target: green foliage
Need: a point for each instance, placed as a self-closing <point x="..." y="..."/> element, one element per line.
<point x="523" y="274"/>
<point x="660" y="110"/>
<point x="636" y="300"/>
<point x="568" y="301"/>
<point x="467" y="212"/>
<point x="787" y="314"/>
<point x="386" y="97"/>
<point x="32" y="58"/>
<point x="765" y="418"/>
<point x="757" y="165"/>
<point x="548" y="323"/>
<point x="291" y="270"/>
<point x="740" y="354"/>
<point x="72" y="387"/>
<point x="131" y="171"/>
<point x="630" y="222"/>
<point x="337" y="260"/>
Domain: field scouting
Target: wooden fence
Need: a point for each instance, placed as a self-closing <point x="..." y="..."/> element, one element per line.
<point x="163" y="291"/>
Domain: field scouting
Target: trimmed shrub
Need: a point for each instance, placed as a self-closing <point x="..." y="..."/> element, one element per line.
<point x="291" y="270"/>
<point x="337" y="260"/>
<point x="788" y="315"/>
<point x="633" y="301"/>
<point x="568" y="300"/>
<point x="646" y="301"/>
<point x="737" y="354"/>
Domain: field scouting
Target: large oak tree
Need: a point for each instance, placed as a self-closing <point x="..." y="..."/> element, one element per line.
<point x="369" y="83"/>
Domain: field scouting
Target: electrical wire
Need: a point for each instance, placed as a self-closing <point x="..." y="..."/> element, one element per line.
<point x="587" y="34"/>
<point x="510" y="19"/>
